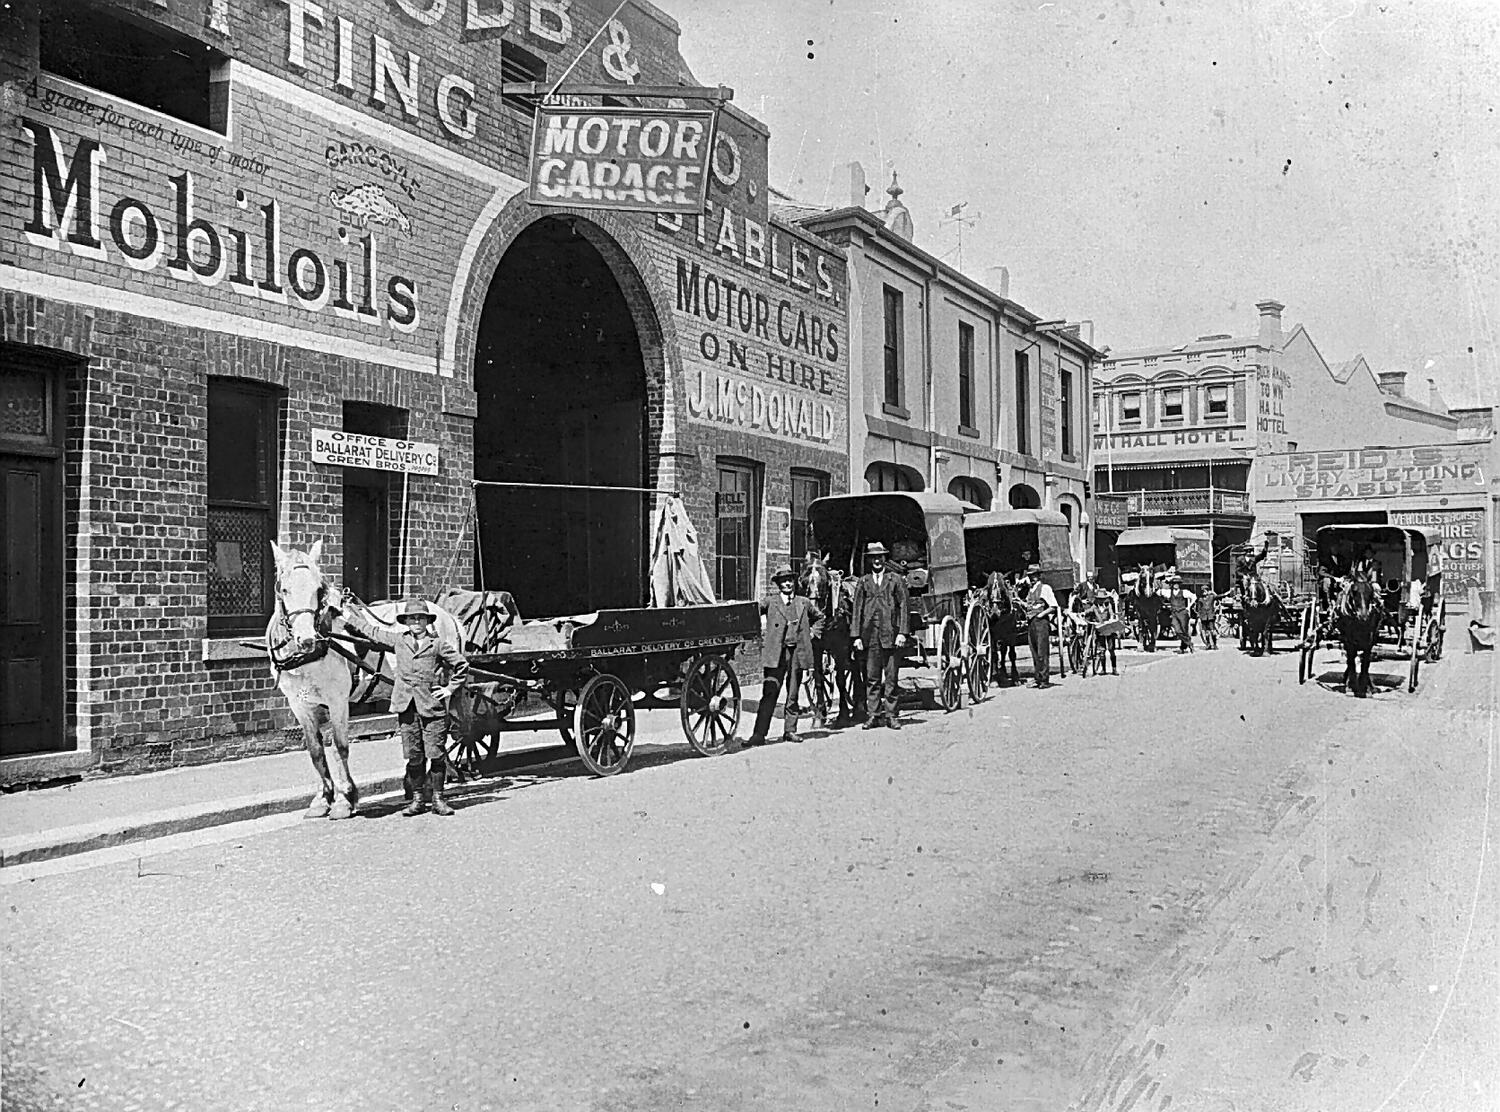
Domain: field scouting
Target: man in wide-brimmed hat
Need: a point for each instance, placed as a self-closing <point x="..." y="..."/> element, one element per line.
<point x="792" y="621"/>
<point x="420" y="697"/>
<point x="878" y="626"/>
<point x="1041" y="610"/>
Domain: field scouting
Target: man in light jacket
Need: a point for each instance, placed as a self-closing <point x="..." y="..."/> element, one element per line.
<point x="792" y="621"/>
<point x="879" y="625"/>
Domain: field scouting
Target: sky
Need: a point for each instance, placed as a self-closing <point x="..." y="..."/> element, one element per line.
<point x="1158" y="167"/>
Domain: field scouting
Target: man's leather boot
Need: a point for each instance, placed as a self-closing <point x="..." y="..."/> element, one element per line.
<point x="435" y="780"/>
<point x="416" y="774"/>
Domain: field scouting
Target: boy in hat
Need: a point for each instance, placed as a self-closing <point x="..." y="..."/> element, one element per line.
<point x="878" y="626"/>
<point x="792" y="621"/>
<point x="1041" y="609"/>
<point x="420" y="698"/>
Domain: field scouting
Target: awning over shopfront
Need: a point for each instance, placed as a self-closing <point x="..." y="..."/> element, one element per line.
<point x="1152" y="534"/>
<point x="1181" y="457"/>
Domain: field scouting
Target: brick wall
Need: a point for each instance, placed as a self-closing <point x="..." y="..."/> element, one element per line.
<point x="139" y="338"/>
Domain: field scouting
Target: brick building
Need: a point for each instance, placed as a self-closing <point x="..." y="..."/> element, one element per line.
<point x="953" y="386"/>
<point x="1178" y="429"/>
<point x="236" y="231"/>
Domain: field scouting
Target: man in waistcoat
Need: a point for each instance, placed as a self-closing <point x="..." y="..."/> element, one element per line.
<point x="878" y="626"/>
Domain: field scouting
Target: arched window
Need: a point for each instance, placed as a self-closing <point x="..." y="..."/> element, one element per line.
<point x="974" y="491"/>
<point x="883" y="476"/>
<point x="1023" y="497"/>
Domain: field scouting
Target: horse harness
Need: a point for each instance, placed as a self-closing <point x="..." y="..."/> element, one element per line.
<point x="284" y="661"/>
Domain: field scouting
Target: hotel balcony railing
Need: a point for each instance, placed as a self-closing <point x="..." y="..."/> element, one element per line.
<point x="1199" y="501"/>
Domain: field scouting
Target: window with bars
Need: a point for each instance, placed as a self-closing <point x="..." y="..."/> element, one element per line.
<point x="807" y="486"/>
<point x="519" y="64"/>
<point x="243" y="466"/>
<point x="966" y="375"/>
<point x="893" y="311"/>
<point x="737" y="507"/>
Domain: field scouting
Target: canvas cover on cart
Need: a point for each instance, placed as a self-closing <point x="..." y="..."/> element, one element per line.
<point x="678" y="575"/>
<point x="923" y="531"/>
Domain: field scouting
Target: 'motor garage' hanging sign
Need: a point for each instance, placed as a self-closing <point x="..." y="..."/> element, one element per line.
<point x="621" y="158"/>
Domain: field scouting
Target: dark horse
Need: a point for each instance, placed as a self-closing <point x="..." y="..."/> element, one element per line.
<point x="1258" y="610"/>
<point x="833" y="653"/>
<point x="1007" y="627"/>
<point x="1358" y="618"/>
<point x="1145" y="606"/>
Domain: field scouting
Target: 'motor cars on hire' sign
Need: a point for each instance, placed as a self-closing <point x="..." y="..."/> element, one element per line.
<point x="621" y="158"/>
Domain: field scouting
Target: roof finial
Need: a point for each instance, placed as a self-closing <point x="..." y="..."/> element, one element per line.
<point x="896" y="216"/>
<point x="895" y="190"/>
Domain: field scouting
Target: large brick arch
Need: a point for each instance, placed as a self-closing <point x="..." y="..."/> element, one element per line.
<point x="627" y="252"/>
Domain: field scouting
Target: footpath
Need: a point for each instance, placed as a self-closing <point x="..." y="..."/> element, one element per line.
<point x="98" y="813"/>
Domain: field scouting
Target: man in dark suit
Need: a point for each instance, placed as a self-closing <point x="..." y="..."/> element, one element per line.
<point x="878" y="626"/>
<point x="792" y="621"/>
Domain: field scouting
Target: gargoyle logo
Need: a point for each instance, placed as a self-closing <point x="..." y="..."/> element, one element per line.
<point x="369" y="204"/>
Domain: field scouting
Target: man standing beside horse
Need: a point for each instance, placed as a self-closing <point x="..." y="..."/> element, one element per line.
<point x="792" y="622"/>
<point x="1041" y="609"/>
<point x="879" y="624"/>
<point x="419" y="698"/>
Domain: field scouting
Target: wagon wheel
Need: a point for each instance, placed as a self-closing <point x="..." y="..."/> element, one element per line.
<point x="977" y="626"/>
<point x="710" y="704"/>
<point x="604" y="725"/>
<point x="950" y="664"/>
<point x="1435" y="632"/>
<point x="1417" y="652"/>
<point x="1308" y="646"/>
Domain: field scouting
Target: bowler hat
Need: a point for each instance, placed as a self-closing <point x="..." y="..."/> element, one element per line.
<point x="414" y="608"/>
<point x="783" y="572"/>
<point x="875" y="548"/>
<point x="1033" y="569"/>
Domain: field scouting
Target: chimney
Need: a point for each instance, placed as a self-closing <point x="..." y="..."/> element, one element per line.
<point x="998" y="279"/>
<point x="1434" y="399"/>
<point x="851" y="175"/>
<point x="1270" y="323"/>
<point x="1392" y="383"/>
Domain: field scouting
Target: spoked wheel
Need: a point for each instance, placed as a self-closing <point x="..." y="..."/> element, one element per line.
<point x="1435" y="632"/>
<point x="950" y="664"/>
<point x="977" y="625"/>
<point x="604" y="725"/>
<point x="710" y="705"/>
<point x="1075" y="653"/>
<point x="469" y="745"/>
<point x="1308" y="646"/>
<point x="1417" y="652"/>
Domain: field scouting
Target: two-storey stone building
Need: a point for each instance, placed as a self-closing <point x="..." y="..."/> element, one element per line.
<point x="277" y="269"/>
<point x="952" y="385"/>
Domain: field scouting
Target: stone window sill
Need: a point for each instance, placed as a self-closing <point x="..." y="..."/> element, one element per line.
<point x="217" y="650"/>
<point x="896" y="411"/>
<point x="969" y="431"/>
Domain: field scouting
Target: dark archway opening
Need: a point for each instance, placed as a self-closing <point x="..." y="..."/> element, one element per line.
<point x="1024" y="497"/>
<point x="561" y="387"/>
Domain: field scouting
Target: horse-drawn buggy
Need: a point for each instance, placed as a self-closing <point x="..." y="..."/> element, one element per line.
<point x="925" y="535"/>
<point x="999" y="544"/>
<point x="1370" y="577"/>
<point x="1153" y="551"/>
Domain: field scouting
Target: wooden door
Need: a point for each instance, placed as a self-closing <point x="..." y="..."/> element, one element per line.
<point x="31" y="563"/>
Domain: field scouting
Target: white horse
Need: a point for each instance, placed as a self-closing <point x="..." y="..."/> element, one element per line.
<point x="317" y="682"/>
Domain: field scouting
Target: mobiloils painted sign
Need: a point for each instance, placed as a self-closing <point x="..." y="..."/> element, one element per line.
<point x="621" y="158"/>
<point x="348" y="449"/>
